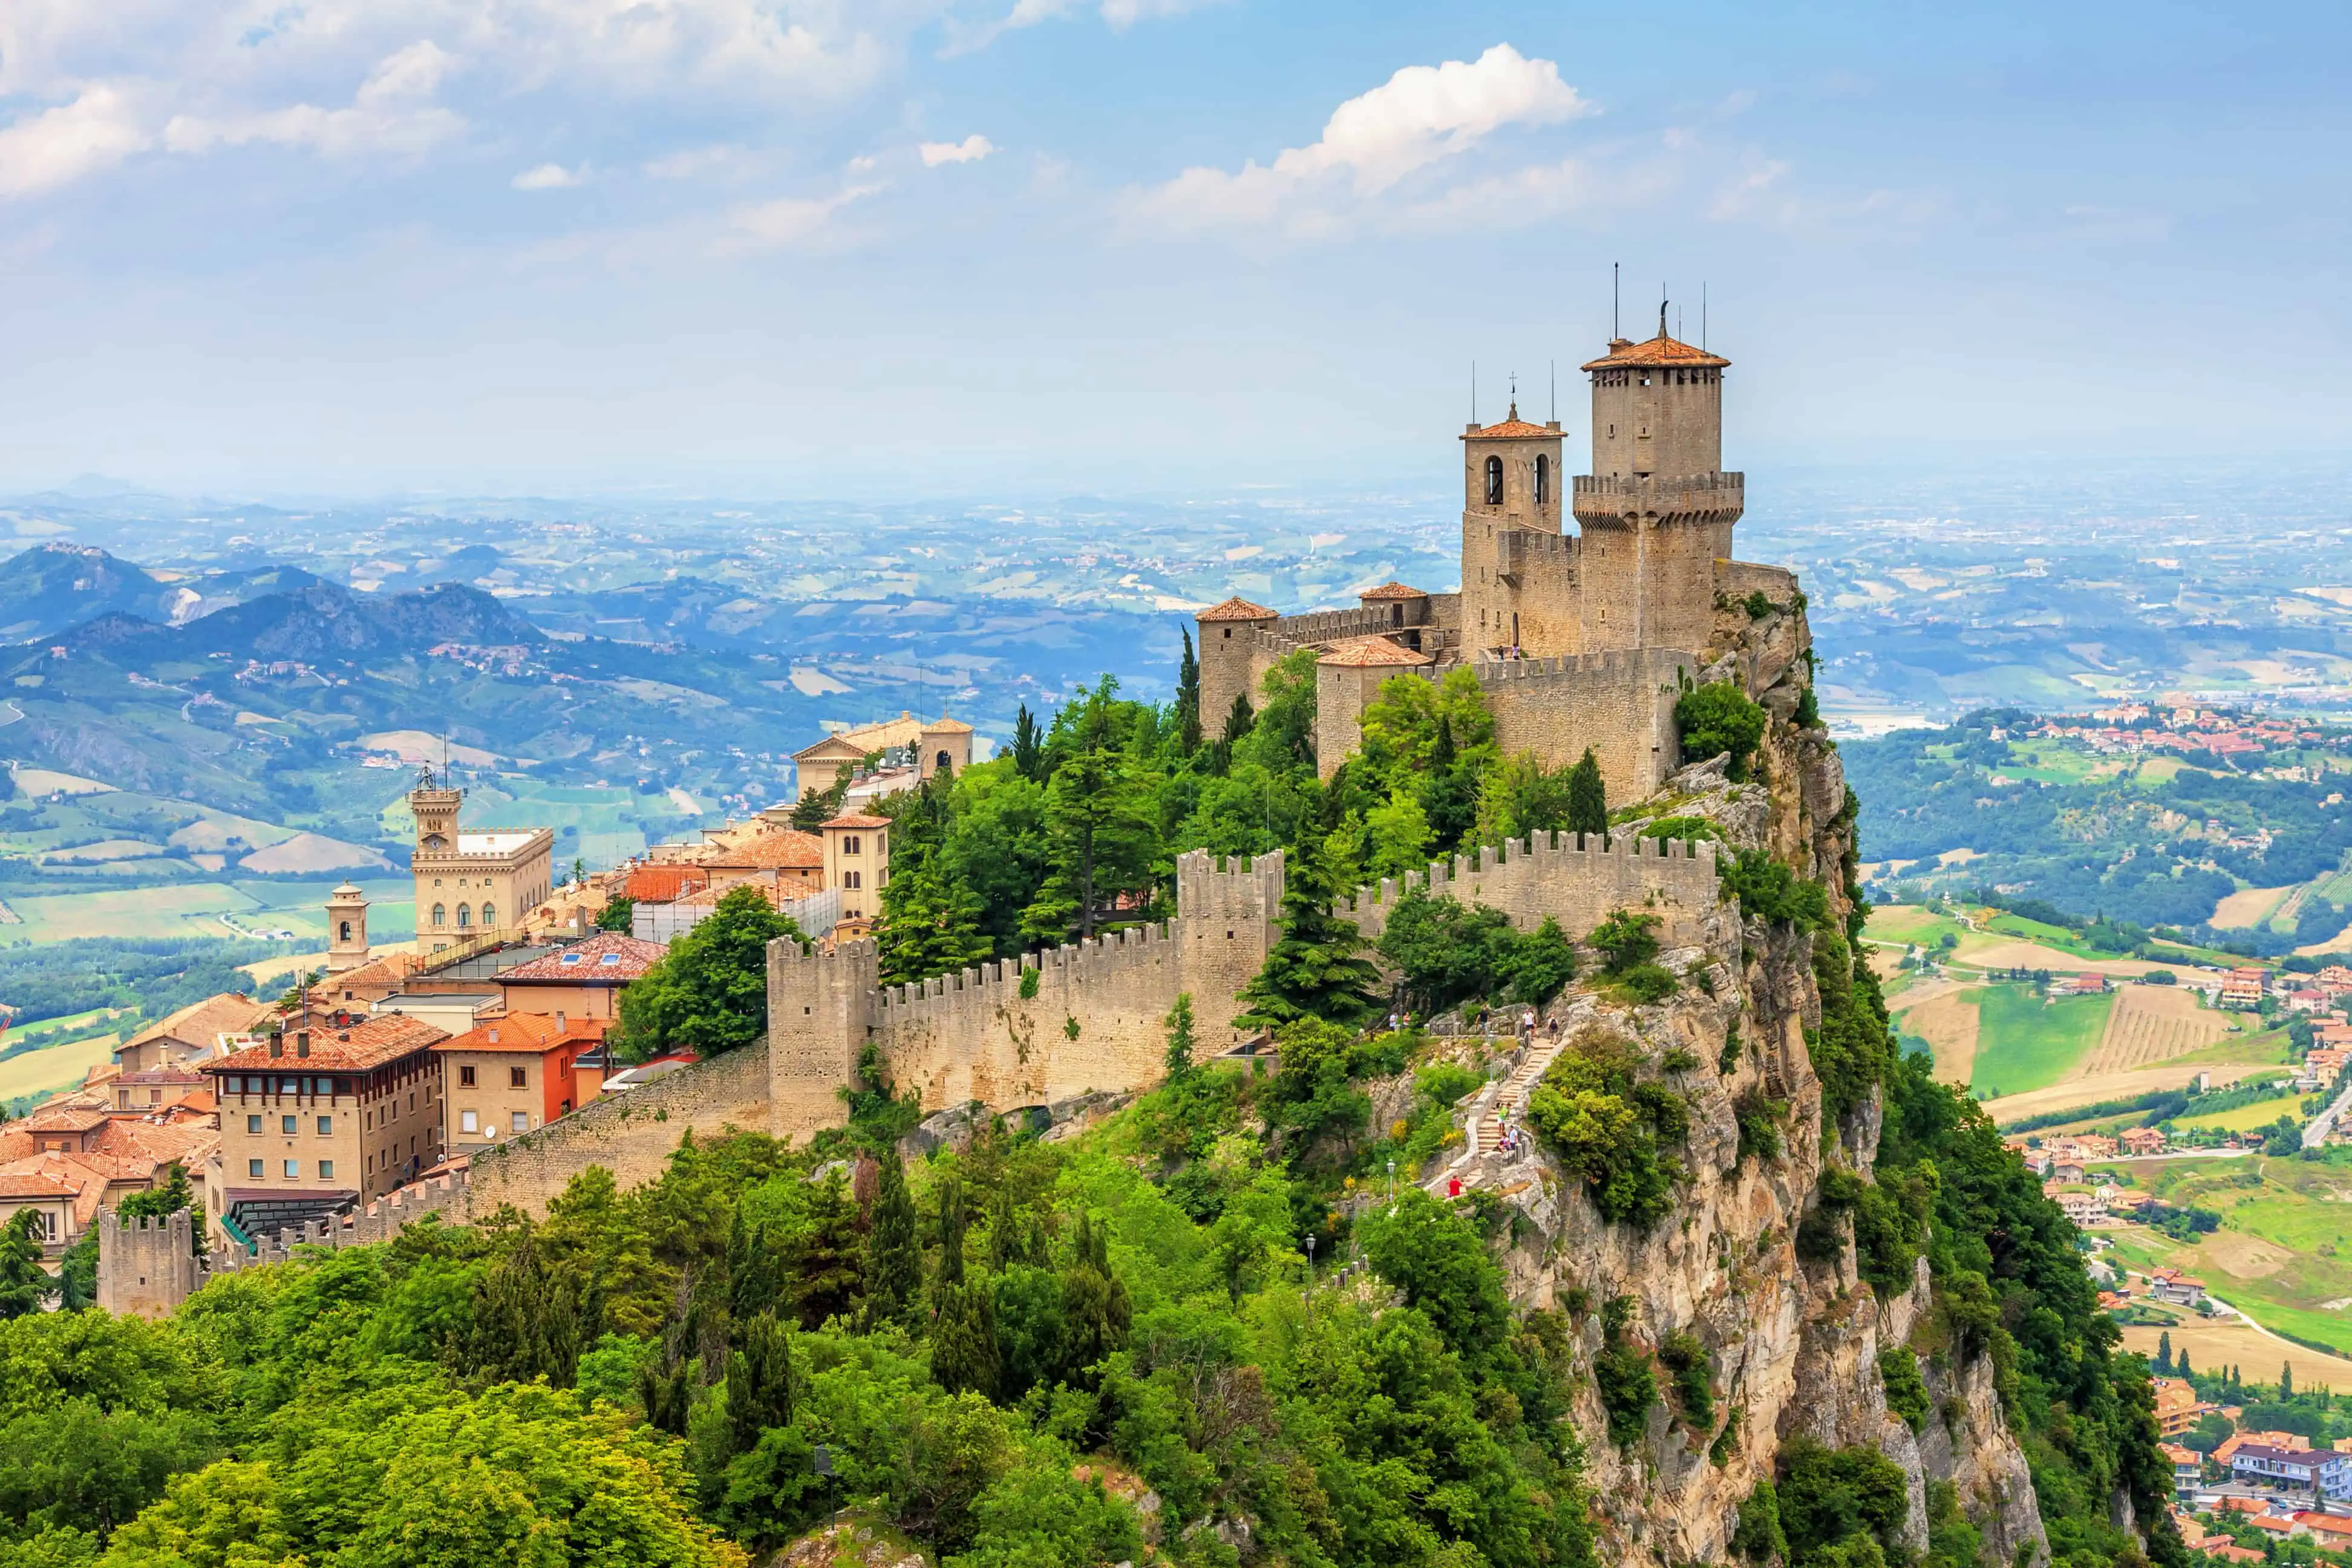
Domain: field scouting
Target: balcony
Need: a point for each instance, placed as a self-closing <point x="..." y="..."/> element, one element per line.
<point x="1597" y="498"/>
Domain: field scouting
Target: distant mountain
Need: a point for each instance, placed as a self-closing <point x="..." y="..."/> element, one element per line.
<point x="318" y="623"/>
<point x="51" y="586"/>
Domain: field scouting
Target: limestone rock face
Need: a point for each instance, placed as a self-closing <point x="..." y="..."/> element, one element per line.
<point x="1795" y="1345"/>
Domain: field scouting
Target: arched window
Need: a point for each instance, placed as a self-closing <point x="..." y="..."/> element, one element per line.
<point x="440" y="915"/>
<point x="1543" y="479"/>
<point x="434" y="841"/>
<point x="465" y="916"/>
<point x="944" y="763"/>
<point x="1494" y="481"/>
<point x="346" y="931"/>
<point x="489" y="916"/>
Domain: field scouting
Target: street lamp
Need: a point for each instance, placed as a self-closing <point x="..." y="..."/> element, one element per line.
<point x="1391" y="1184"/>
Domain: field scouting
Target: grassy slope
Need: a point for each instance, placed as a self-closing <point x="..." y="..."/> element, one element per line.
<point x="2025" y="1044"/>
<point x="2276" y="1257"/>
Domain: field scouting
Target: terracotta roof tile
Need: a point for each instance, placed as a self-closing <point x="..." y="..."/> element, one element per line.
<point x="790" y="850"/>
<point x="1392" y="590"/>
<point x="1513" y="429"/>
<point x="37" y="1185"/>
<point x="857" y="819"/>
<point x="1661" y="350"/>
<point x="227" y="1012"/>
<point x="530" y="1033"/>
<point x="1238" y="609"/>
<point x="613" y="957"/>
<point x="662" y="884"/>
<point x="1371" y="653"/>
<point x="68" y="1119"/>
<point x="370" y="1043"/>
<point x="945" y="726"/>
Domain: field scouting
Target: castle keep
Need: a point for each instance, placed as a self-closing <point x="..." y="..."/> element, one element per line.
<point x="1579" y="640"/>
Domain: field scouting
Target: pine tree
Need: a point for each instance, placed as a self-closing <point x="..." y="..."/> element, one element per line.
<point x="826" y="1260"/>
<point x="1095" y="1312"/>
<point x="1028" y="747"/>
<point x="664" y="1389"/>
<point x="894" y="1256"/>
<point x="1449" y="794"/>
<point x="1098" y="813"/>
<point x="758" y="1383"/>
<point x="525" y="1321"/>
<point x="1188" y="700"/>
<point x="952" y="1221"/>
<point x="1314" y="970"/>
<point x="1588" y="801"/>
<point x="755" y="1281"/>
<point x="2164" y="1353"/>
<point x="964" y="1350"/>
<point x="1179" y="1024"/>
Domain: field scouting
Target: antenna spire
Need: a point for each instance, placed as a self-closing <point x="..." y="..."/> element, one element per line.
<point x="1661" y="309"/>
<point x="1473" y="394"/>
<point x="1514" y="395"/>
<point x="1702" y="316"/>
<point x="1616" y="291"/>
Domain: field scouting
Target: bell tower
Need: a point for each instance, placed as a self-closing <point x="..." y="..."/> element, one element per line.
<point x="1656" y="511"/>
<point x="347" y="937"/>
<point x="1511" y="481"/>
<point x="434" y="805"/>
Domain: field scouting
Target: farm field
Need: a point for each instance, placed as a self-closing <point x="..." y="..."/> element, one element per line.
<point x="2089" y="1090"/>
<point x="1946" y="1016"/>
<point x="2152" y="1024"/>
<point x="2283" y="1252"/>
<point x="2234" y="1343"/>
<point x="59" y="1067"/>
<point x="2249" y="907"/>
<point x="2025" y="1043"/>
<point x="184" y="909"/>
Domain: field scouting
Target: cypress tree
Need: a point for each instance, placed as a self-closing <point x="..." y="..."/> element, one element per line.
<point x="2180" y="1365"/>
<point x="662" y="1389"/>
<point x="525" y="1321"/>
<point x="894" y="1256"/>
<point x="2286" y="1380"/>
<point x="23" y="1281"/>
<point x="1188" y="700"/>
<point x="2164" y="1351"/>
<point x="953" y="1222"/>
<point x="827" y="1271"/>
<point x="1239" y="718"/>
<point x="1588" y="802"/>
<point x="1095" y="1312"/>
<point x="964" y="1351"/>
<point x="758" y="1383"/>
<point x="1028" y="747"/>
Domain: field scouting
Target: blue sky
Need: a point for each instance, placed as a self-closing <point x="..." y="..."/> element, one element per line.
<point x="821" y="246"/>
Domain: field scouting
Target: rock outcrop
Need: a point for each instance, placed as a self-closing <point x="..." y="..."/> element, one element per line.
<point x="1794" y="1345"/>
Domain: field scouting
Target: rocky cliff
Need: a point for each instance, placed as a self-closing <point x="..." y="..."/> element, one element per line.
<point x="1792" y="1335"/>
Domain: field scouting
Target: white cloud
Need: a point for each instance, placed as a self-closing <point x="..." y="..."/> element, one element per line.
<point x="1421" y="116"/>
<point x="393" y="111"/>
<point x="547" y="177"/>
<point x="970" y="150"/>
<point x="788" y="223"/>
<point x="964" y="38"/>
<point x="42" y="150"/>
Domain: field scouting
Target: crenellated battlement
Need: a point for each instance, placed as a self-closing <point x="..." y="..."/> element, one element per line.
<point x="1576" y="880"/>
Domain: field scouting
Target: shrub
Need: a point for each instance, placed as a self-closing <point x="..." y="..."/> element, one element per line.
<point x="1624" y="939"/>
<point x="1828" y="1497"/>
<point x="1622" y="1374"/>
<point x="1757" y="604"/>
<point x="1758" y="1537"/>
<point x="1907" y="1390"/>
<point x="1718" y="717"/>
<point x="1759" y="1125"/>
<point x="1449" y="954"/>
<point x="1609" y="1128"/>
<point x="1647" y="983"/>
<point x="1769" y="890"/>
<point x="1693" y="1380"/>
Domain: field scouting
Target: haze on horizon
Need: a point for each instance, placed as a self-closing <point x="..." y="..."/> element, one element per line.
<point x="933" y="246"/>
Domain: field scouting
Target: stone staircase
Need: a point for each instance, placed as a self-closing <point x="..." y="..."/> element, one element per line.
<point x="1483" y="1119"/>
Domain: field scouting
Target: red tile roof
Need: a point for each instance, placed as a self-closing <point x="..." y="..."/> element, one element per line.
<point x="945" y="726"/>
<point x="1372" y="653"/>
<point x="36" y="1184"/>
<point x="790" y="850"/>
<point x="1392" y="590"/>
<point x="530" y="1033"/>
<point x="1513" y="429"/>
<point x="613" y="958"/>
<point x="1661" y="350"/>
<point x="68" y="1119"/>
<point x="661" y="884"/>
<point x="857" y="819"/>
<point x="1238" y="609"/>
<point x="370" y="1043"/>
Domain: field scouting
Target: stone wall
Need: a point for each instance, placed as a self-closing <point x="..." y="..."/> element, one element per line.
<point x="1571" y="878"/>
<point x="631" y="1132"/>
<point x="147" y="1267"/>
<point x="1621" y="704"/>
<point x="1093" y="1019"/>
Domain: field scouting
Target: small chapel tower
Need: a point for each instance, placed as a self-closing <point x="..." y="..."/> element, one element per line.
<point x="1515" y="593"/>
<point x="347" y="937"/>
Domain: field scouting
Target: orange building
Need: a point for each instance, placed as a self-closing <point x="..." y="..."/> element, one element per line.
<point x="510" y="1075"/>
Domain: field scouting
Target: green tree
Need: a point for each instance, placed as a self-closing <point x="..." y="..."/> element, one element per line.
<point x="931" y="924"/>
<point x="163" y="1201"/>
<point x="1626" y="938"/>
<point x="1588" y="800"/>
<point x="23" y="1282"/>
<point x="1097" y="814"/>
<point x="710" y="992"/>
<point x="1096" y="1313"/>
<point x="1178" y="1065"/>
<point x="525" y="1321"/>
<point x="1718" y="718"/>
<point x="813" y="809"/>
<point x="1239" y="718"/>
<point x="1028" y="746"/>
<point x="825" y="1257"/>
<point x="1398" y="837"/>
<point x="619" y="913"/>
<point x="1520" y="797"/>
<point x="1314" y="970"/>
<point x="2164" y="1353"/>
<point x="894" y="1253"/>
<point x="1441" y="1263"/>
<point x="758" y="1382"/>
<point x="1188" y="698"/>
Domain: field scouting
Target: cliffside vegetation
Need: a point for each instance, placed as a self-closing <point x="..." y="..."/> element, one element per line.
<point x="1138" y="1345"/>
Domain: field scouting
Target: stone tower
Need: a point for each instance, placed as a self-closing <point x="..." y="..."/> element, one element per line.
<point x="1657" y="509"/>
<point x="347" y="937"/>
<point x="436" y="805"/>
<point x="1510" y="491"/>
